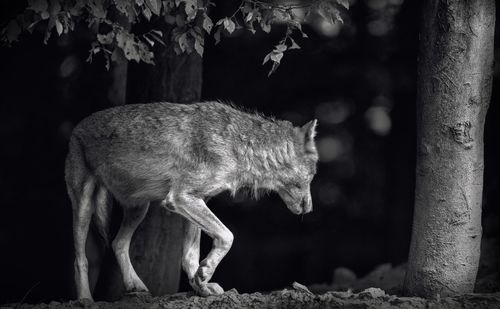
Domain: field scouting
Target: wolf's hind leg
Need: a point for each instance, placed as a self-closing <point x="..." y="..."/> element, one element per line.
<point x="132" y="217"/>
<point x="195" y="210"/>
<point x="82" y="213"/>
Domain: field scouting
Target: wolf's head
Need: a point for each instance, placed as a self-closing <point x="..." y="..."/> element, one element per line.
<point x="295" y="184"/>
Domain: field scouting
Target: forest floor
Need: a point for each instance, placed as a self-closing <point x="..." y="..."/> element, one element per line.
<point x="296" y="297"/>
<point x="381" y="288"/>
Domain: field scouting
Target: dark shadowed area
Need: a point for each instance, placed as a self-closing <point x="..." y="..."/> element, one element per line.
<point x="357" y="79"/>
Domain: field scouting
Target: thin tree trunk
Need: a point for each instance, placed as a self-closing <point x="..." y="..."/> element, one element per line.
<point x="157" y="244"/>
<point x="454" y="89"/>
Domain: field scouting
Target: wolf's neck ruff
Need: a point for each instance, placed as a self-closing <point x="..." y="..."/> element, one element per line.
<point x="264" y="149"/>
<point x="261" y="166"/>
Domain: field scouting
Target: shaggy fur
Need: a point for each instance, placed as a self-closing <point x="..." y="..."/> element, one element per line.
<point x="180" y="155"/>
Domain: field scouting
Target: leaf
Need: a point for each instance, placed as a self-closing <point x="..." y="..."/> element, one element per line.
<point x="106" y="38"/>
<point x="168" y="4"/>
<point x="139" y="2"/>
<point x="121" y="6"/>
<point x="157" y="32"/>
<point x="217" y="35"/>
<point x="154" y="6"/>
<point x="207" y="23"/>
<point x="97" y="9"/>
<point x="108" y="63"/>
<point x="229" y="25"/>
<point x="147" y="13"/>
<point x="191" y="8"/>
<point x="131" y="14"/>
<point x="48" y="30"/>
<point x="266" y="58"/>
<point x="344" y="3"/>
<point x="198" y="46"/>
<point x="144" y="53"/>
<point x="294" y="44"/>
<point x="126" y="41"/>
<point x="280" y="48"/>
<point x="151" y="42"/>
<point x="220" y="21"/>
<point x="265" y="27"/>
<point x="59" y="27"/>
<point x="182" y="41"/>
<point x="329" y="12"/>
<point x="32" y="25"/>
<point x="249" y="17"/>
<point x="274" y="68"/>
<point x="251" y="28"/>
<point x="157" y="38"/>
<point x="276" y="57"/>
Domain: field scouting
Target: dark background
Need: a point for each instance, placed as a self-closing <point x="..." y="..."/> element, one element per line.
<point x="357" y="79"/>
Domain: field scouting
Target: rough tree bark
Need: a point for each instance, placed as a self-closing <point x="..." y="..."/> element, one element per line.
<point x="454" y="89"/>
<point x="157" y="244"/>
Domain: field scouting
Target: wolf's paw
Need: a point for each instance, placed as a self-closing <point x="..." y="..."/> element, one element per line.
<point x="204" y="273"/>
<point x="214" y="288"/>
<point x="210" y="288"/>
<point x="135" y="285"/>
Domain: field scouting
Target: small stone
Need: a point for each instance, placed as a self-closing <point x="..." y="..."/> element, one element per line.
<point x="342" y="294"/>
<point x="233" y="290"/>
<point x="371" y="293"/>
<point x="300" y="287"/>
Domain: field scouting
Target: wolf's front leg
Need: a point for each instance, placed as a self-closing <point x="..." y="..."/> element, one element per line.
<point x="191" y="260"/>
<point x="195" y="210"/>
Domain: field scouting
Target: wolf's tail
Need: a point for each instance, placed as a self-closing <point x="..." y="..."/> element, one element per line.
<point x="89" y="198"/>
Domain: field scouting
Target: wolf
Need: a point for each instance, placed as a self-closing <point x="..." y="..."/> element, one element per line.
<point x="178" y="156"/>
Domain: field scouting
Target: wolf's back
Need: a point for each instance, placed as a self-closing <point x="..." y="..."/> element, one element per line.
<point x="140" y="146"/>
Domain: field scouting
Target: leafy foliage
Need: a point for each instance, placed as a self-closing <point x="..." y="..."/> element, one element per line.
<point x="189" y="20"/>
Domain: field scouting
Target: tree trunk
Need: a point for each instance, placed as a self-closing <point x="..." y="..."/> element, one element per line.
<point x="157" y="244"/>
<point x="454" y="89"/>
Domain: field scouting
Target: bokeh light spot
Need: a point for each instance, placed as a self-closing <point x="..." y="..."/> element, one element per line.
<point x="332" y="112"/>
<point x="68" y="66"/>
<point x="378" y="120"/>
<point x="329" y="148"/>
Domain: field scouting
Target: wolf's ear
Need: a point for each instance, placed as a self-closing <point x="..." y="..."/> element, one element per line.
<point x="309" y="131"/>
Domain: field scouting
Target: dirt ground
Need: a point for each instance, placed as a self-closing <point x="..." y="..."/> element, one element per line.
<point x="377" y="289"/>
<point x="297" y="296"/>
